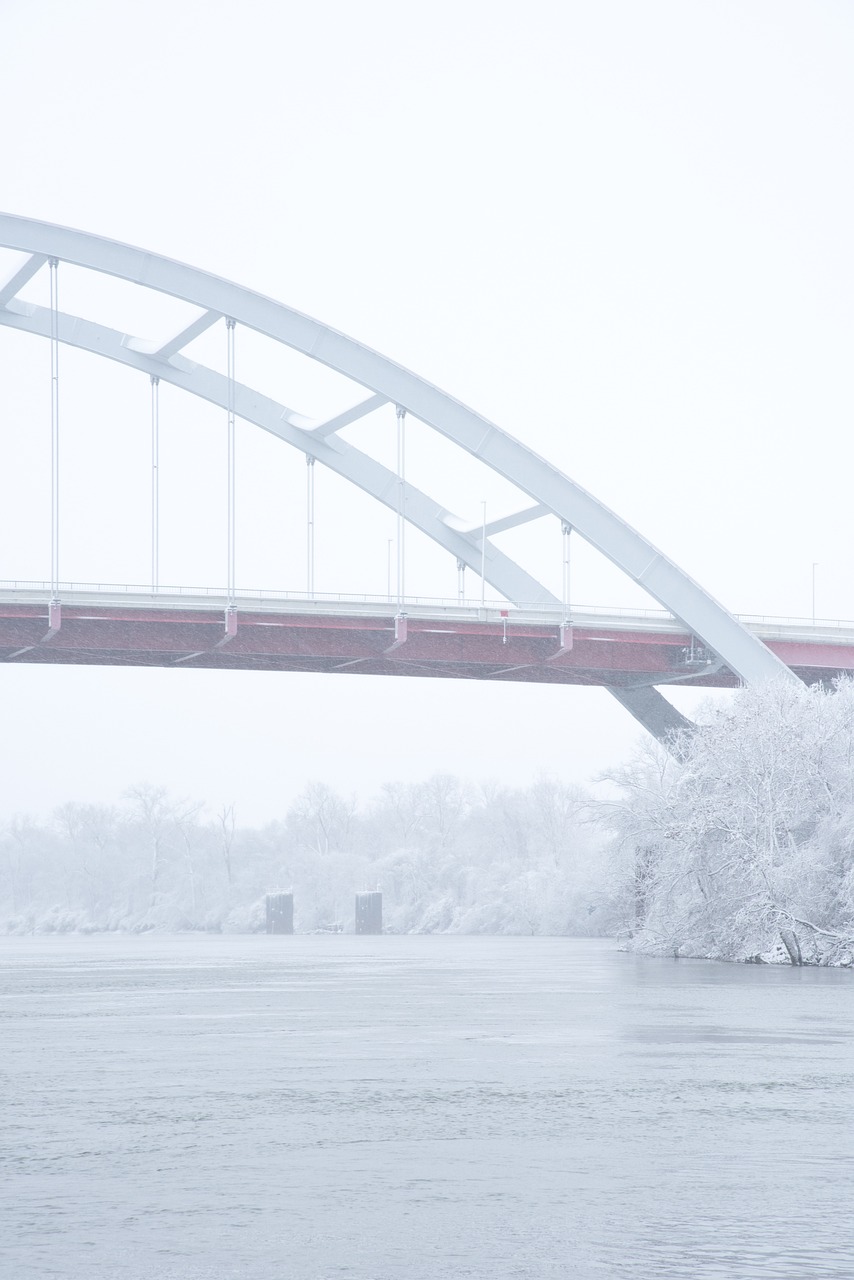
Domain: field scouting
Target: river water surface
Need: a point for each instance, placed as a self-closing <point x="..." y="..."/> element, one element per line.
<point x="419" y="1108"/>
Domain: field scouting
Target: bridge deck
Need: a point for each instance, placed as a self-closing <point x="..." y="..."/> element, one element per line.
<point x="359" y="636"/>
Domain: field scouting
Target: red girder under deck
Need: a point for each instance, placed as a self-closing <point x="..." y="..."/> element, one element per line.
<point x="116" y="635"/>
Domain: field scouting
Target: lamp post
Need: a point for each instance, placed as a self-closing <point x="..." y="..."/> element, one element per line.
<point x="814" y="567"/>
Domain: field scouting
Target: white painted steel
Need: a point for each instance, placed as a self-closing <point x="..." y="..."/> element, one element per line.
<point x="719" y="630"/>
<point x="309" y="526"/>
<point x="566" y="532"/>
<point x="295" y="429"/>
<point x="155" y="482"/>
<point x="230" y="449"/>
<point x="349" y="416"/>
<point x="186" y="336"/>
<point x="400" y="415"/>
<point x="16" y="282"/>
<point x="54" y="428"/>
<point x="518" y="517"/>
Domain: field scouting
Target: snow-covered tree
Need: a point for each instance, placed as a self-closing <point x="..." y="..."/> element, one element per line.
<point x="740" y="843"/>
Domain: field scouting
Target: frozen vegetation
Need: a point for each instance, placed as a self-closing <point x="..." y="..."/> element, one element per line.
<point x="448" y="857"/>
<point x="739" y="845"/>
<point x="736" y="846"/>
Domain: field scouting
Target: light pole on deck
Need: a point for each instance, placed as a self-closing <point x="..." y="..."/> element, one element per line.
<point x="814" y="567"/>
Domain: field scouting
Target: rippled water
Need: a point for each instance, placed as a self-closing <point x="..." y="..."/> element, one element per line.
<point x="250" y="1108"/>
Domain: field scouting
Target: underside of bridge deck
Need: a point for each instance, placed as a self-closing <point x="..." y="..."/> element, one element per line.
<point x="377" y="645"/>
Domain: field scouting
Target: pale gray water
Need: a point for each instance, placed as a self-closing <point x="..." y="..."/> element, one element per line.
<point x="250" y="1108"/>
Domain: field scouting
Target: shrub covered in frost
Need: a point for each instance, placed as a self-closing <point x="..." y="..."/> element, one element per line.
<point x="739" y="845"/>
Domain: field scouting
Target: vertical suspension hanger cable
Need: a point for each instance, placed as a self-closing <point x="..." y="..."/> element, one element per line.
<point x="309" y="525"/>
<point x="566" y="624"/>
<point x="155" y="482"/>
<point x="54" y="430"/>
<point x="229" y="328"/>
<point x="401" y="505"/>
<point x="483" y="557"/>
<point x="566" y="530"/>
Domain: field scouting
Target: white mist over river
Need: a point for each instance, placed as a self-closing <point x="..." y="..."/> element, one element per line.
<point x="419" y="1108"/>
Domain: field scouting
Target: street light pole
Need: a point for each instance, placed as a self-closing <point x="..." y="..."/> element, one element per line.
<point x="814" y="567"/>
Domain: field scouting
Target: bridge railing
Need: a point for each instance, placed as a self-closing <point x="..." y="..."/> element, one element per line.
<point x="264" y="600"/>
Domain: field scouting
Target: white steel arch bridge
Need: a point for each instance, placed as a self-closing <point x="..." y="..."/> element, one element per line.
<point x="727" y="642"/>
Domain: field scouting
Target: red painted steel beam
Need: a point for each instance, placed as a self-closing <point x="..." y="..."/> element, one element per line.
<point x="128" y="636"/>
<point x="812" y="653"/>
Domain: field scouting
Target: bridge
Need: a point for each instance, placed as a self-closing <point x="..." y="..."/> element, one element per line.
<point x="529" y="634"/>
<point x="133" y="626"/>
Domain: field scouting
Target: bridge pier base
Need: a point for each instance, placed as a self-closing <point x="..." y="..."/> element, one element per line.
<point x="369" y="912"/>
<point x="280" y="913"/>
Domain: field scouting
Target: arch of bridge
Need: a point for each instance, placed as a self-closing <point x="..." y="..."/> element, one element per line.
<point x="552" y="491"/>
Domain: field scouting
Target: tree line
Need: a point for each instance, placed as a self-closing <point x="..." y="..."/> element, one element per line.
<point x="737" y="843"/>
<point x="447" y="855"/>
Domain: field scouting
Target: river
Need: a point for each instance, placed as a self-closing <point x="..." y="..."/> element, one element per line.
<point x="419" y="1108"/>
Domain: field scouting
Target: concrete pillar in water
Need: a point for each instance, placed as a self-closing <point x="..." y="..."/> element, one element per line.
<point x="369" y="912"/>
<point x="280" y="913"/>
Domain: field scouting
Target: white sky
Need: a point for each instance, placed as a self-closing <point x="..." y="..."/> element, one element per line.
<point x="620" y="230"/>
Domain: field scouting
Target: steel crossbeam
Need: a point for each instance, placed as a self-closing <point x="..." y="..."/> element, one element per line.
<point x="737" y="650"/>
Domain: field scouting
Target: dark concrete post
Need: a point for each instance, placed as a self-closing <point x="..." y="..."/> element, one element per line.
<point x="280" y="913"/>
<point x="369" y="912"/>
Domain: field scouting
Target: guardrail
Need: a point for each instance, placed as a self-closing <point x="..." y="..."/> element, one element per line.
<point x="245" y="595"/>
<point x="267" y="599"/>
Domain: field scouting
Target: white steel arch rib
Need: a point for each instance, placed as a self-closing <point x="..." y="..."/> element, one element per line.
<point x="648" y="706"/>
<point x="369" y="475"/>
<point x="744" y="653"/>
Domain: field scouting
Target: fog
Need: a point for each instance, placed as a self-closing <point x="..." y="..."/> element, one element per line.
<point x="622" y="233"/>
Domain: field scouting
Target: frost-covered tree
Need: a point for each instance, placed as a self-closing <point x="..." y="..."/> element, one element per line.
<point x="741" y="842"/>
